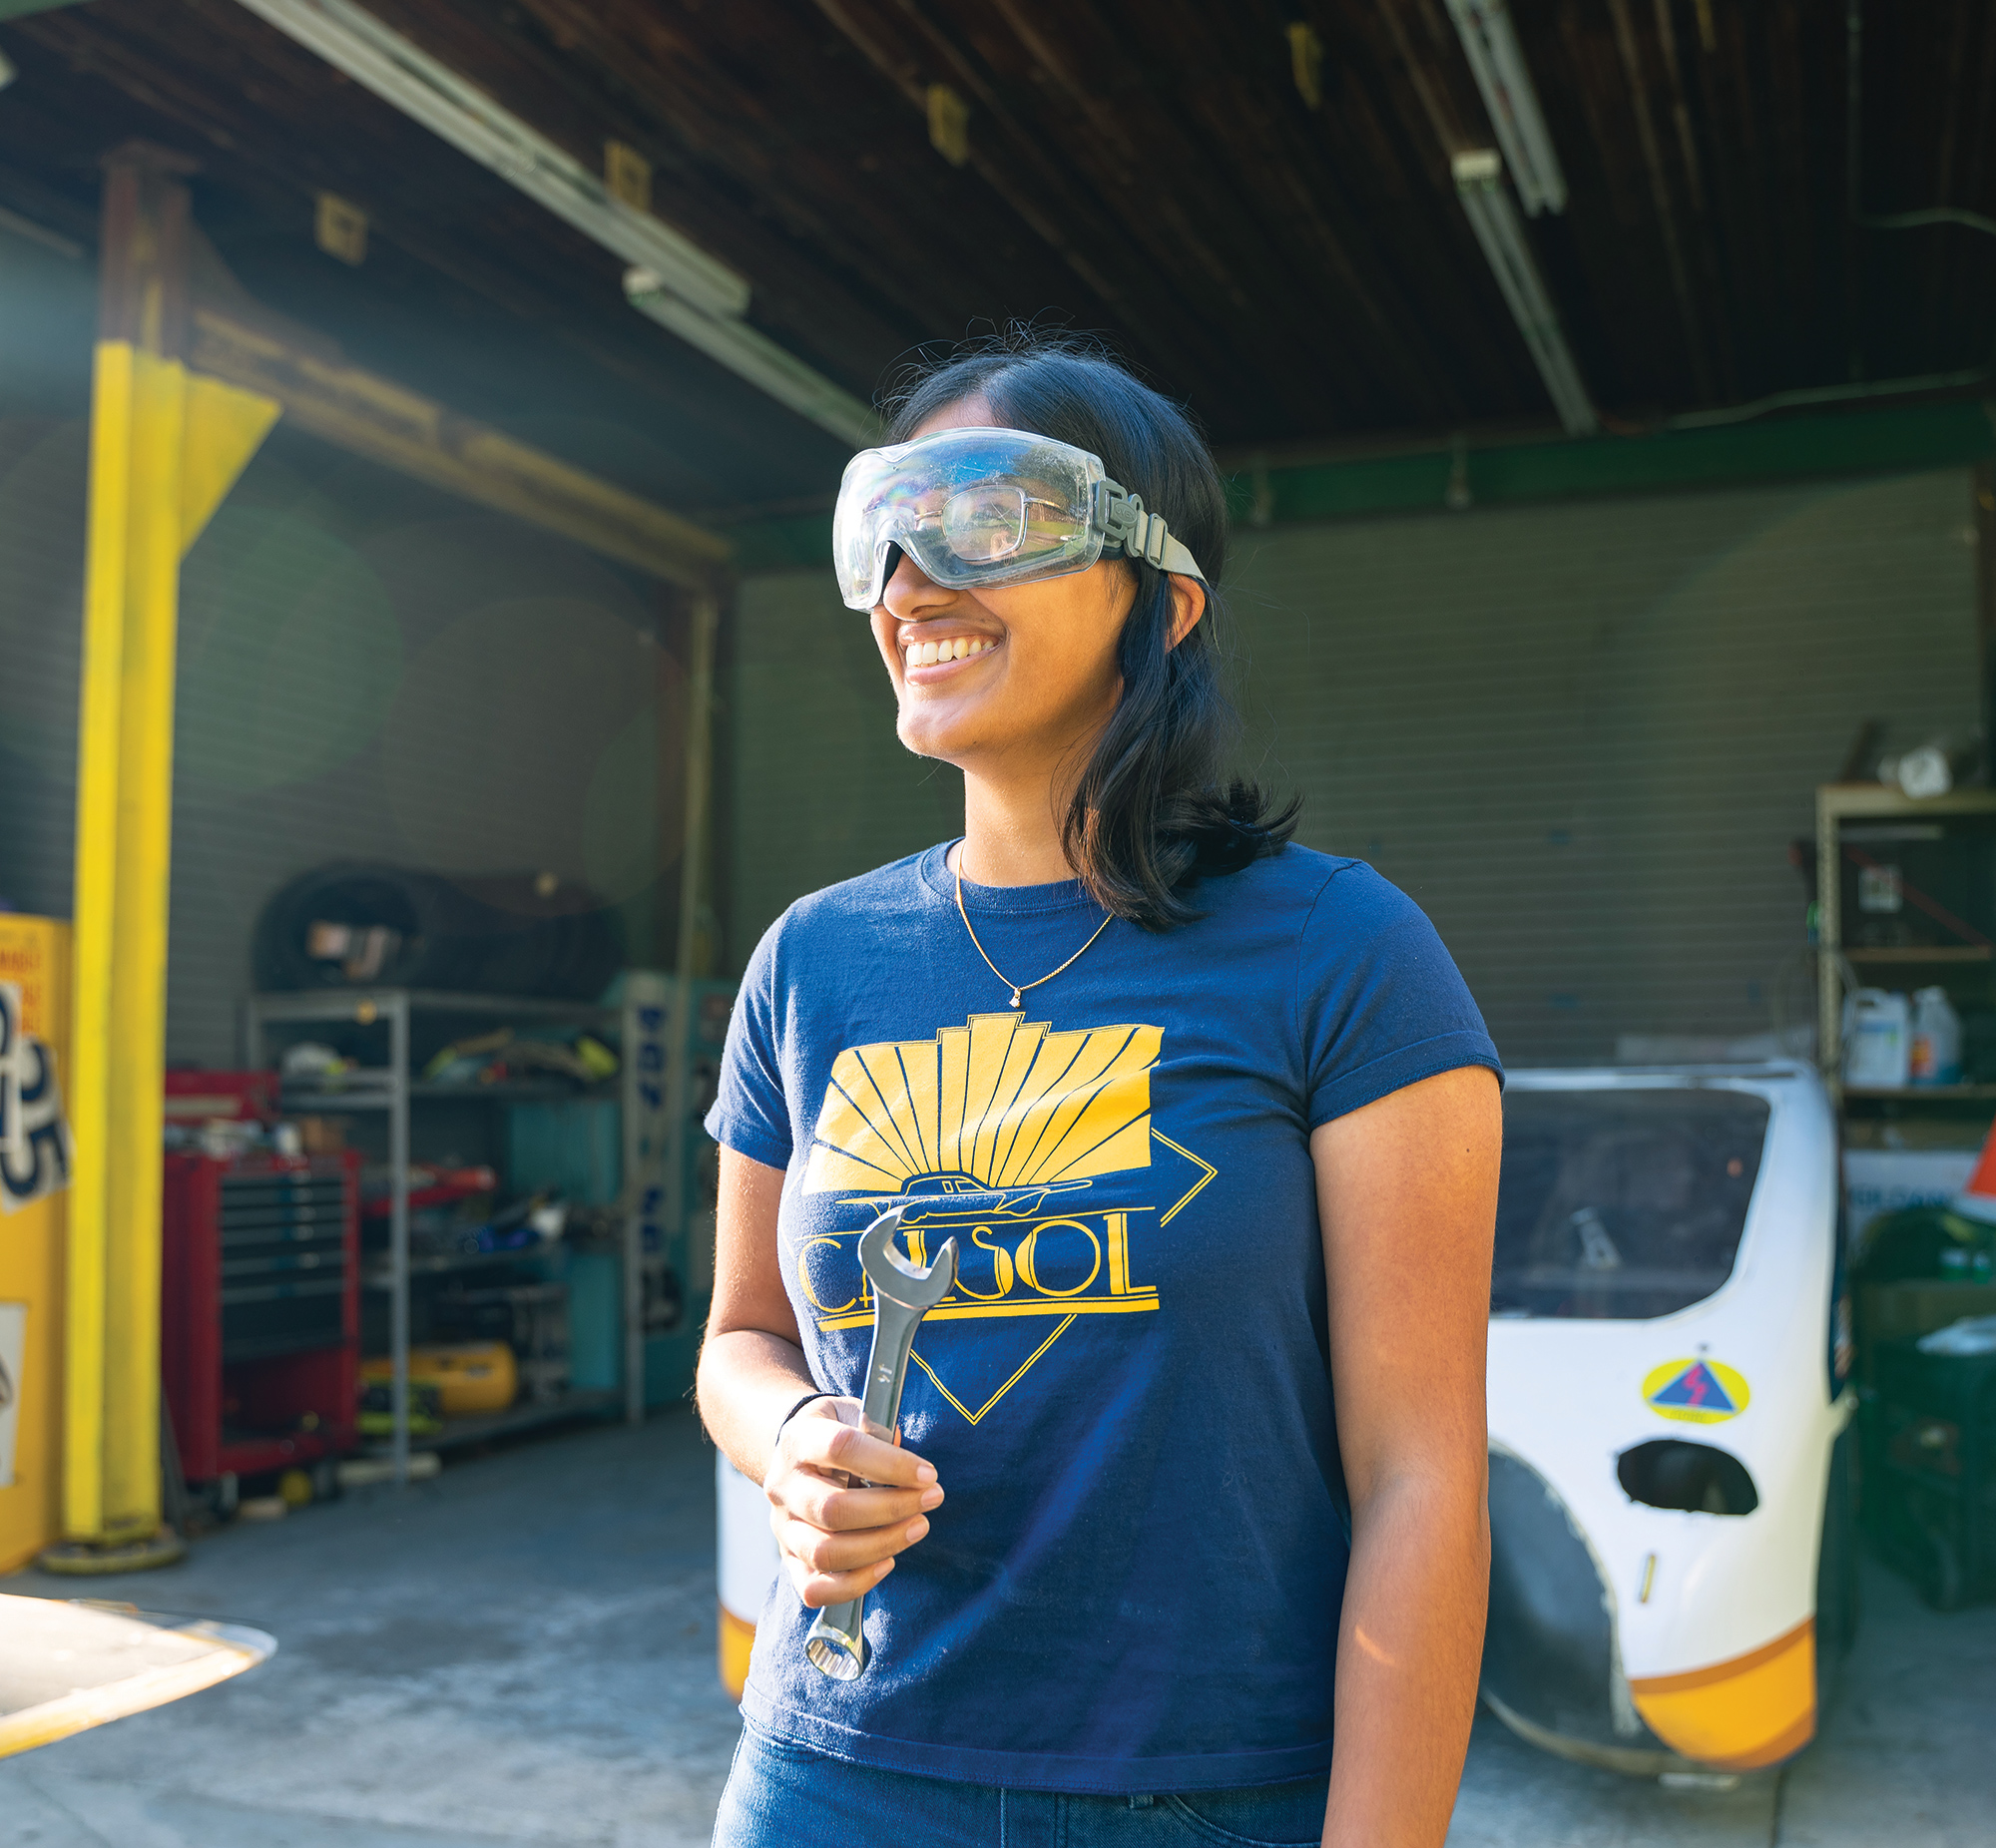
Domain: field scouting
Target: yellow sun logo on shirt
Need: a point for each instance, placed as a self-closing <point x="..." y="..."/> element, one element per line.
<point x="995" y="1132"/>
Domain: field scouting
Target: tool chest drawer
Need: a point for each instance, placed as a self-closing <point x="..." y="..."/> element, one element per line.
<point x="260" y="1312"/>
<point x="281" y="1318"/>
<point x="326" y="1255"/>
<point x="255" y="1200"/>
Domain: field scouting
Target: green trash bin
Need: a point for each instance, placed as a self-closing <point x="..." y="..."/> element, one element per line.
<point x="1930" y="1469"/>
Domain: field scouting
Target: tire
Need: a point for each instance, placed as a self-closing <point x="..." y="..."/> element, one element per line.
<point x="1837" y="1583"/>
<point x="502" y="933"/>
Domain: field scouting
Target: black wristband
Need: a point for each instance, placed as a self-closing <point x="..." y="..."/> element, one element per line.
<point x="798" y="1407"/>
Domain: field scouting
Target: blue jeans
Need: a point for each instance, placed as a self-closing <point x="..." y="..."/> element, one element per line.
<point x="782" y="1795"/>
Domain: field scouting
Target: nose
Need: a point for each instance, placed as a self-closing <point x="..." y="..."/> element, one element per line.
<point x="911" y="595"/>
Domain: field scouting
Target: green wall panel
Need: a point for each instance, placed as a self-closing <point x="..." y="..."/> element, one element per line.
<point x="1912" y="437"/>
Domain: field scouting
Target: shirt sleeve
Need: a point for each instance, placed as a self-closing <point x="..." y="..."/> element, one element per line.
<point x="750" y="1114"/>
<point x="1380" y="1004"/>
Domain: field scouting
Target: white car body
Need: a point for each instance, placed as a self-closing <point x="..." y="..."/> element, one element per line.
<point x="1709" y="1617"/>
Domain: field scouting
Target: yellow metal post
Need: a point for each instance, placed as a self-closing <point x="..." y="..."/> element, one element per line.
<point x="165" y="449"/>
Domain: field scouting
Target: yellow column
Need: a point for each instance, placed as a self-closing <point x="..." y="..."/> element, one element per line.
<point x="165" y="449"/>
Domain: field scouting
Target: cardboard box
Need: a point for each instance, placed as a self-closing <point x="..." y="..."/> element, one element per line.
<point x="1881" y="1181"/>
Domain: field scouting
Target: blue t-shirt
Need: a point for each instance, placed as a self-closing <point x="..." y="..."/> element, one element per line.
<point x="1134" y="1582"/>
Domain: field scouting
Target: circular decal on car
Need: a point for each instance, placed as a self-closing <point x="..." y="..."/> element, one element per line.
<point x="1695" y="1391"/>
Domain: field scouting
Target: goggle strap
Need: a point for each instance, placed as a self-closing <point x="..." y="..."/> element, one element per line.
<point x="1131" y="532"/>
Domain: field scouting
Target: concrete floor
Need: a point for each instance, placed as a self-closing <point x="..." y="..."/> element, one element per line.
<point x="522" y="1651"/>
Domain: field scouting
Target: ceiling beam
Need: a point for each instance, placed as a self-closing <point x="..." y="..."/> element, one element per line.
<point x="374" y="417"/>
<point x="231" y="337"/>
<point x="671" y="277"/>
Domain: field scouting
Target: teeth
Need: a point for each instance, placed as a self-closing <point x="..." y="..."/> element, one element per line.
<point x="958" y="648"/>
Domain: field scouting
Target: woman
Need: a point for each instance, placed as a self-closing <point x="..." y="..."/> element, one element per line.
<point x="1191" y="1473"/>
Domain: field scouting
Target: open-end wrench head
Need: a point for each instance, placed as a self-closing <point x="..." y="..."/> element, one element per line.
<point x="894" y="1276"/>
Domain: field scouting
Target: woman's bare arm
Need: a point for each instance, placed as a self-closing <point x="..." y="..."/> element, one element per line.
<point x="837" y="1541"/>
<point x="1407" y="1198"/>
<point x="752" y="1363"/>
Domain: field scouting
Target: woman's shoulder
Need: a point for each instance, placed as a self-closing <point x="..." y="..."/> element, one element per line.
<point x="831" y="913"/>
<point x="1321" y="890"/>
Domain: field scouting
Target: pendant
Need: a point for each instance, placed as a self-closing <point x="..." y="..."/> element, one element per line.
<point x="1016" y="1002"/>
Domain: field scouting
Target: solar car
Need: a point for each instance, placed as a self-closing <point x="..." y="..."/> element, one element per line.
<point x="1673" y="1547"/>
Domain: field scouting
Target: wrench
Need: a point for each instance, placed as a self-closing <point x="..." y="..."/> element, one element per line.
<point x="902" y="1295"/>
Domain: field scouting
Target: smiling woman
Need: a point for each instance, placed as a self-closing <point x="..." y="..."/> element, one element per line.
<point x="1249" y="1129"/>
<point x="1113" y="509"/>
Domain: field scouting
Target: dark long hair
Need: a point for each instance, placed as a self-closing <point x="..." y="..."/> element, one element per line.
<point x="1153" y="812"/>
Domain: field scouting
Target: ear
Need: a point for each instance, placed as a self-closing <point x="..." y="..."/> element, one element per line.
<point x="1187" y="606"/>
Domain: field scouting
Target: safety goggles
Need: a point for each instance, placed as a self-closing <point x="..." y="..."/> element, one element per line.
<point x="977" y="507"/>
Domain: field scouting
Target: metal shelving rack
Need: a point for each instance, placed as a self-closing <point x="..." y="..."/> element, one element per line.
<point x="1836" y="805"/>
<point x="392" y="1088"/>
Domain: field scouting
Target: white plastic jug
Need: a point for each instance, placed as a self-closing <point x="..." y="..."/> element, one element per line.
<point x="1877" y="1039"/>
<point x="1934" y="1057"/>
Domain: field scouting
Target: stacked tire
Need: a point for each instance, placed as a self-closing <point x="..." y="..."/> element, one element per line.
<point x="529" y="934"/>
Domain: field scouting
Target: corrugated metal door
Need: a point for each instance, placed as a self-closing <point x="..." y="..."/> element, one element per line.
<point x="1583" y="735"/>
<point x="47" y="314"/>
<point x="368" y="669"/>
<point x="824" y="790"/>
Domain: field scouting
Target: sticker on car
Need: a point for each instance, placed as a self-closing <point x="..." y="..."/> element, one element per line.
<point x="1695" y="1391"/>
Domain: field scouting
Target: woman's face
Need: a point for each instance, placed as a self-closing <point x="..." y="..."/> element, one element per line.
<point x="1017" y="673"/>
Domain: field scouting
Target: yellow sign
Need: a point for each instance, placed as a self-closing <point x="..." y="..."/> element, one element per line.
<point x="34" y="1172"/>
<point x="1697" y="1391"/>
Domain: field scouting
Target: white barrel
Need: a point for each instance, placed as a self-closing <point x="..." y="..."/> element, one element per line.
<point x="745" y="1565"/>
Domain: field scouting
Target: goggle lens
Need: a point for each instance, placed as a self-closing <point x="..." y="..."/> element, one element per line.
<point x="985" y="523"/>
<point x="979" y="506"/>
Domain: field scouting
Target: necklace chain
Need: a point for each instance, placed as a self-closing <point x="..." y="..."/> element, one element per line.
<point x="1019" y="988"/>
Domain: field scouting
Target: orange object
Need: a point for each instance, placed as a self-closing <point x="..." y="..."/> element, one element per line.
<point x="736" y="1640"/>
<point x="1978" y="1199"/>
<point x="470" y="1376"/>
<point x="1753" y="1710"/>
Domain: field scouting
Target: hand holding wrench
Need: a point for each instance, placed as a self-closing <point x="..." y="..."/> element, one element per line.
<point x="902" y="1295"/>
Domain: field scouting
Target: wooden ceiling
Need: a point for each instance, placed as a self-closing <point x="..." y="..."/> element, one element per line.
<point x="1146" y="170"/>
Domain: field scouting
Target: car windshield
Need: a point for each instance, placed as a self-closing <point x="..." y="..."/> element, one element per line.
<point x="1622" y="1203"/>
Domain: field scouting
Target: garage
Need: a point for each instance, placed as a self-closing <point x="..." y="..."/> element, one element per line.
<point x="421" y="686"/>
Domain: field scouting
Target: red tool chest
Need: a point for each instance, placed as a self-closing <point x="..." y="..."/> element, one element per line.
<point x="260" y="1309"/>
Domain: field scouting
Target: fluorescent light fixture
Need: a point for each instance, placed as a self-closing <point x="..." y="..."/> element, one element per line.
<point x="1480" y="184"/>
<point x="7" y="71"/>
<point x="1498" y="63"/>
<point x="694" y="294"/>
<point x="754" y="357"/>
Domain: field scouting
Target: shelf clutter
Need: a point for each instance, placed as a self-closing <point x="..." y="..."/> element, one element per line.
<point x="419" y="1220"/>
<point x="1906" y="1025"/>
<point x="1906" y="895"/>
